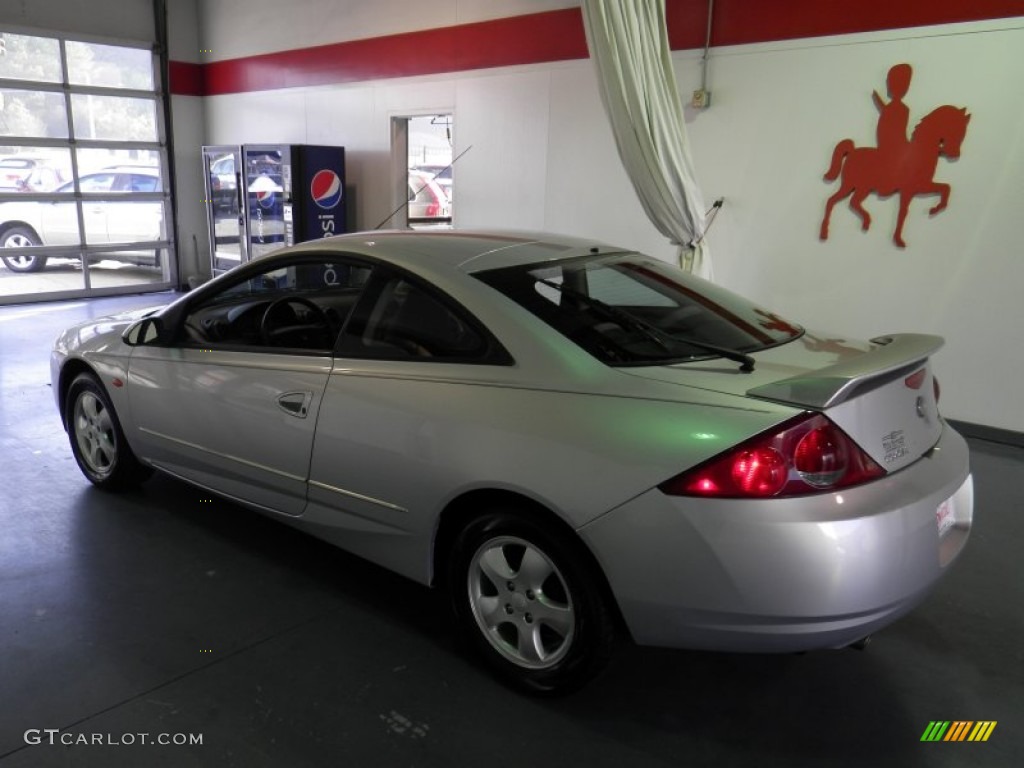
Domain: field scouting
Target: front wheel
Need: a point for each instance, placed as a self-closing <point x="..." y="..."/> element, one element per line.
<point x="97" y="440"/>
<point x="530" y="602"/>
<point x="21" y="237"/>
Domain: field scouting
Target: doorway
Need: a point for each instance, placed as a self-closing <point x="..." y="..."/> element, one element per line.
<point x="422" y="150"/>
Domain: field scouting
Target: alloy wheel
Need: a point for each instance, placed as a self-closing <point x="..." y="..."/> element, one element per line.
<point x="18" y="240"/>
<point x="94" y="432"/>
<point x="521" y="602"/>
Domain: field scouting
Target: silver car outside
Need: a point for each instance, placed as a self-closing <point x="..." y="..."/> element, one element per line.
<point x="110" y="216"/>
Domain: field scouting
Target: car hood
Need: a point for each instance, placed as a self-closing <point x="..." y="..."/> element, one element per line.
<point x="882" y="393"/>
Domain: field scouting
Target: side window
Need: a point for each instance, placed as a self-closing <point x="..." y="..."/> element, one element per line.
<point x="409" y="322"/>
<point x="137" y="182"/>
<point x="300" y="307"/>
<point x="95" y="182"/>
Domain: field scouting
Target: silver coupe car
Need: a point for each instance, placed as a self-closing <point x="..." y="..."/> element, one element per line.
<point x="577" y="442"/>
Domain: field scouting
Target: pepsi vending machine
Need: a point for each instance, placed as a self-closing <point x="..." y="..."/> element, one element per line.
<point x="282" y="194"/>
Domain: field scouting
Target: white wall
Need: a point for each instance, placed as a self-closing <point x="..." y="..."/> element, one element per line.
<point x="765" y="143"/>
<point x="188" y="116"/>
<point x="187" y="113"/>
<point x="542" y="157"/>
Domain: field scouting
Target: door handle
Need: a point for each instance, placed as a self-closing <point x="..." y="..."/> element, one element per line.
<point x="295" y="403"/>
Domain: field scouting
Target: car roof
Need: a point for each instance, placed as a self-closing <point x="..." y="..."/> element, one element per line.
<point x="21" y="162"/>
<point x="462" y="251"/>
<point x="143" y="170"/>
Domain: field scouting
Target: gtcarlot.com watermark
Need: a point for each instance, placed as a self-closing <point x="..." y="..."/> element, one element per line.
<point x="54" y="736"/>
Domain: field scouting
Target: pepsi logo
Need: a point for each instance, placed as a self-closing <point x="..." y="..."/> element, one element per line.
<point x="266" y="199"/>
<point x="326" y="189"/>
<point x="265" y="190"/>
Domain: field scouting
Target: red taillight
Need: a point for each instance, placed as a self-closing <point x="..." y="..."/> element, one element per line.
<point x="758" y="472"/>
<point x="809" y="454"/>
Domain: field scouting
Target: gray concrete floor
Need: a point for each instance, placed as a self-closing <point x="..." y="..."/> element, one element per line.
<point x="162" y="612"/>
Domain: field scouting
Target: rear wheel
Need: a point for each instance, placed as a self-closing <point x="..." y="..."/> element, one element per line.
<point x="21" y="237"/>
<point x="97" y="441"/>
<point x="529" y="601"/>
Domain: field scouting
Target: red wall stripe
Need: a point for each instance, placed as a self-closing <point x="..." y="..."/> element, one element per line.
<point x="186" y="79"/>
<point x="531" y="39"/>
<point x="558" y="36"/>
<point x="740" y="22"/>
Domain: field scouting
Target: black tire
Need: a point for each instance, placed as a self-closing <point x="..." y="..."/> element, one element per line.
<point x="97" y="441"/>
<point x="547" y="629"/>
<point x="19" y="237"/>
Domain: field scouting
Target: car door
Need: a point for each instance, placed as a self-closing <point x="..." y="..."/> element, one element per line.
<point x="59" y="220"/>
<point x="409" y="356"/>
<point x="232" y="403"/>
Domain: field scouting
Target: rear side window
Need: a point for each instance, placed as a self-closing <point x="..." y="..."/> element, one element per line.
<point x="94" y="182"/>
<point x="136" y="182"/>
<point x="408" y="321"/>
<point x="628" y="309"/>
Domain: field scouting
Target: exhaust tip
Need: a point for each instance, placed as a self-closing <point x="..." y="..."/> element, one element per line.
<point x="861" y="644"/>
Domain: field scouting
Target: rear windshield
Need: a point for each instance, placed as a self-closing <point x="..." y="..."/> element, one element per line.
<point x="629" y="309"/>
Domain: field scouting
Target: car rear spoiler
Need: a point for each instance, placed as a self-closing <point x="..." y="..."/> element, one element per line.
<point x="837" y="383"/>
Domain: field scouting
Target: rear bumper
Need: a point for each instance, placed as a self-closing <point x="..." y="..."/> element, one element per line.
<point x="785" y="575"/>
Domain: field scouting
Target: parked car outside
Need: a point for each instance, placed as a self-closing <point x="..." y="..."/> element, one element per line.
<point x="427" y="200"/>
<point x="224" y="183"/>
<point x="43" y="178"/>
<point x="15" y="170"/>
<point x="441" y="174"/>
<point x="569" y="438"/>
<point x="107" y="221"/>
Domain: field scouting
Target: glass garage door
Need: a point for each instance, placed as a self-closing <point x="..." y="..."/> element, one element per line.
<point x="84" y="194"/>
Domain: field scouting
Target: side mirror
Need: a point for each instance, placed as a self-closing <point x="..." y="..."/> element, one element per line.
<point x="148" y="330"/>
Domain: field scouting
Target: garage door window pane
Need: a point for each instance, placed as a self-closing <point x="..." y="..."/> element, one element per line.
<point x="33" y="169"/>
<point x="30" y="58"/>
<point x="112" y="66"/>
<point x="34" y="114"/>
<point x="110" y="221"/>
<point x="114" y="118"/>
<point x="119" y="181"/>
<point x="92" y="160"/>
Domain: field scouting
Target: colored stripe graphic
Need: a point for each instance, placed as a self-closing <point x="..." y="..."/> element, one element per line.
<point x="935" y="731"/>
<point x="982" y="730"/>
<point x="958" y="730"/>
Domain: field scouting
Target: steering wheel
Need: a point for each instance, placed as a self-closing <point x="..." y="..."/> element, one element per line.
<point x="315" y="334"/>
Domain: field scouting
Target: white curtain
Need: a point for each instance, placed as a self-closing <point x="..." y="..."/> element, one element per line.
<point x="628" y="42"/>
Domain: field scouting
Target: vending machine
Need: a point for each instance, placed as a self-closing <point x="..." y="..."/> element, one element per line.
<point x="261" y="197"/>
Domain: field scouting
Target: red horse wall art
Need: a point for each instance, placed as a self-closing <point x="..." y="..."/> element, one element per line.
<point x="897" y="165"/>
